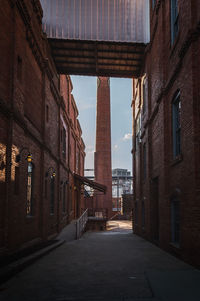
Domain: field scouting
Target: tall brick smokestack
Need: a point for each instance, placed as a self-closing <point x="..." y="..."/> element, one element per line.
<point x="103" y="169"/>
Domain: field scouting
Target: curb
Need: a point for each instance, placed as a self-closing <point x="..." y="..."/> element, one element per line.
<point x="17" y="266"/>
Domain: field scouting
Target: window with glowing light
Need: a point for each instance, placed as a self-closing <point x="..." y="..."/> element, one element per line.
<point x="29" y="202"/>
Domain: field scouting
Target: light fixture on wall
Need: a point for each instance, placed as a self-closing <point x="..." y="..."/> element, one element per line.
<point x="50" y="171"/>
<point x="28" y="158"/>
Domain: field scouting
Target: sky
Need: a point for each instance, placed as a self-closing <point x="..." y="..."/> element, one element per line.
<point x="85" y="91"/>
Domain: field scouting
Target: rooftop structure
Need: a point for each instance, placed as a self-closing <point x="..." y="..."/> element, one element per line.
<point x="119" y="172"/>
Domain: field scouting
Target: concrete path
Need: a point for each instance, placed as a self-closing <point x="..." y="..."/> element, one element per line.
<point x="106" y="266"/>
<point x="68" y="233"/>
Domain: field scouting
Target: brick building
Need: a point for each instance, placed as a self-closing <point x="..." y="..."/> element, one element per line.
<point x="166" y="137"/>
<point x="40" y="136"/>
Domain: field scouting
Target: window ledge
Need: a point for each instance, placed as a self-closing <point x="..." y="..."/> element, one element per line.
<point x="177" y="160"/>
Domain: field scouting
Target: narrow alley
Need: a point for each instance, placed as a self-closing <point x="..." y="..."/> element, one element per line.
<point x="107" y="265"/>
<point x="99" y="150"/>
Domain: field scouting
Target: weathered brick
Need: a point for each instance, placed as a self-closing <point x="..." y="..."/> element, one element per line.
<point x="170" y="68"/>
<point x="32" y="115"/>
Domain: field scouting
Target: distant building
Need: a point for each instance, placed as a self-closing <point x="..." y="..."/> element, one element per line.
<point x="119" y="172"/>
<point x="122" y="183"/>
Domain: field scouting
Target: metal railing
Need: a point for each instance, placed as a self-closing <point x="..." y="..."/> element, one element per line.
<point x="81" y="224"/>
<point x="101" y="213"/>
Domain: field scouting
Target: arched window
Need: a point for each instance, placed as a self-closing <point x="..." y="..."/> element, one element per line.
<point x="144" y="162"/>
<point x="77" y="160"/>
<point x="176" y="125"/>
<point x="52" y="194"/>
<point x="174" y="20"/>
<point x="145" y="94"/>
<point x="64" y="144"/>
<point x="64" y="197"/>
<point x="29" y="196"/>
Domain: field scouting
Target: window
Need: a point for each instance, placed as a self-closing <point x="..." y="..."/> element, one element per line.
<point x="138" y="131"/>
<point x="29" y="196"/>
<point x="175" y="221"/>
<point x="52" y="194"/>
<point x="153" y="3"/>
<point x="64" y="197"/>
<point x="174" y="20"/>
<point x="45" y="188"/>
<point x="145" y="95"/>
<point x="64" y="144"/>
<point x="77" y="160"/>
<point x="74" y="112"/>
<point x="176" y="125"/>
<point x="144" y="162"/>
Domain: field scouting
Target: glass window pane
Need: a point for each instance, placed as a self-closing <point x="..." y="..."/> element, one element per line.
<point x="29" y="195"/>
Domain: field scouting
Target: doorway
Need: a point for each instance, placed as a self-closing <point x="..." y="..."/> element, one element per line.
<point x="155" y="209"/>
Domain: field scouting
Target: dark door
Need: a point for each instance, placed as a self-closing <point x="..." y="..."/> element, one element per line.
<point x="155" y="224"/>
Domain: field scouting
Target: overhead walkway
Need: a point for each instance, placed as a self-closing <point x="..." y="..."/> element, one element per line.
<point x="97" y="37"/>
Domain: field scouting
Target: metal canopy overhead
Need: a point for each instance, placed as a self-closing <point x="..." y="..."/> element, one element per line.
<point x="90" y="183"/>
<point x="97" y="58"/>
<point x="97" y="37"/>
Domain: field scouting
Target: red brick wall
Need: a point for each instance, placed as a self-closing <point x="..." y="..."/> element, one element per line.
<point x="34" y="106"/>
<point x="6" y="49"/>
<point x="169" y="68"/>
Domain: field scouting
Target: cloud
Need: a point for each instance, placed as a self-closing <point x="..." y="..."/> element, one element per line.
<point x="115" y="147"/>
<point x="86" y="106"/>
<point x="127" y="136"/>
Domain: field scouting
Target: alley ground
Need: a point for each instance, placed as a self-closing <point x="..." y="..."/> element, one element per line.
<point x="106" y="266"/>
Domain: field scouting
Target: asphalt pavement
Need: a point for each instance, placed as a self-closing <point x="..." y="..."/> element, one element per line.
<point x="112" y="265"/>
